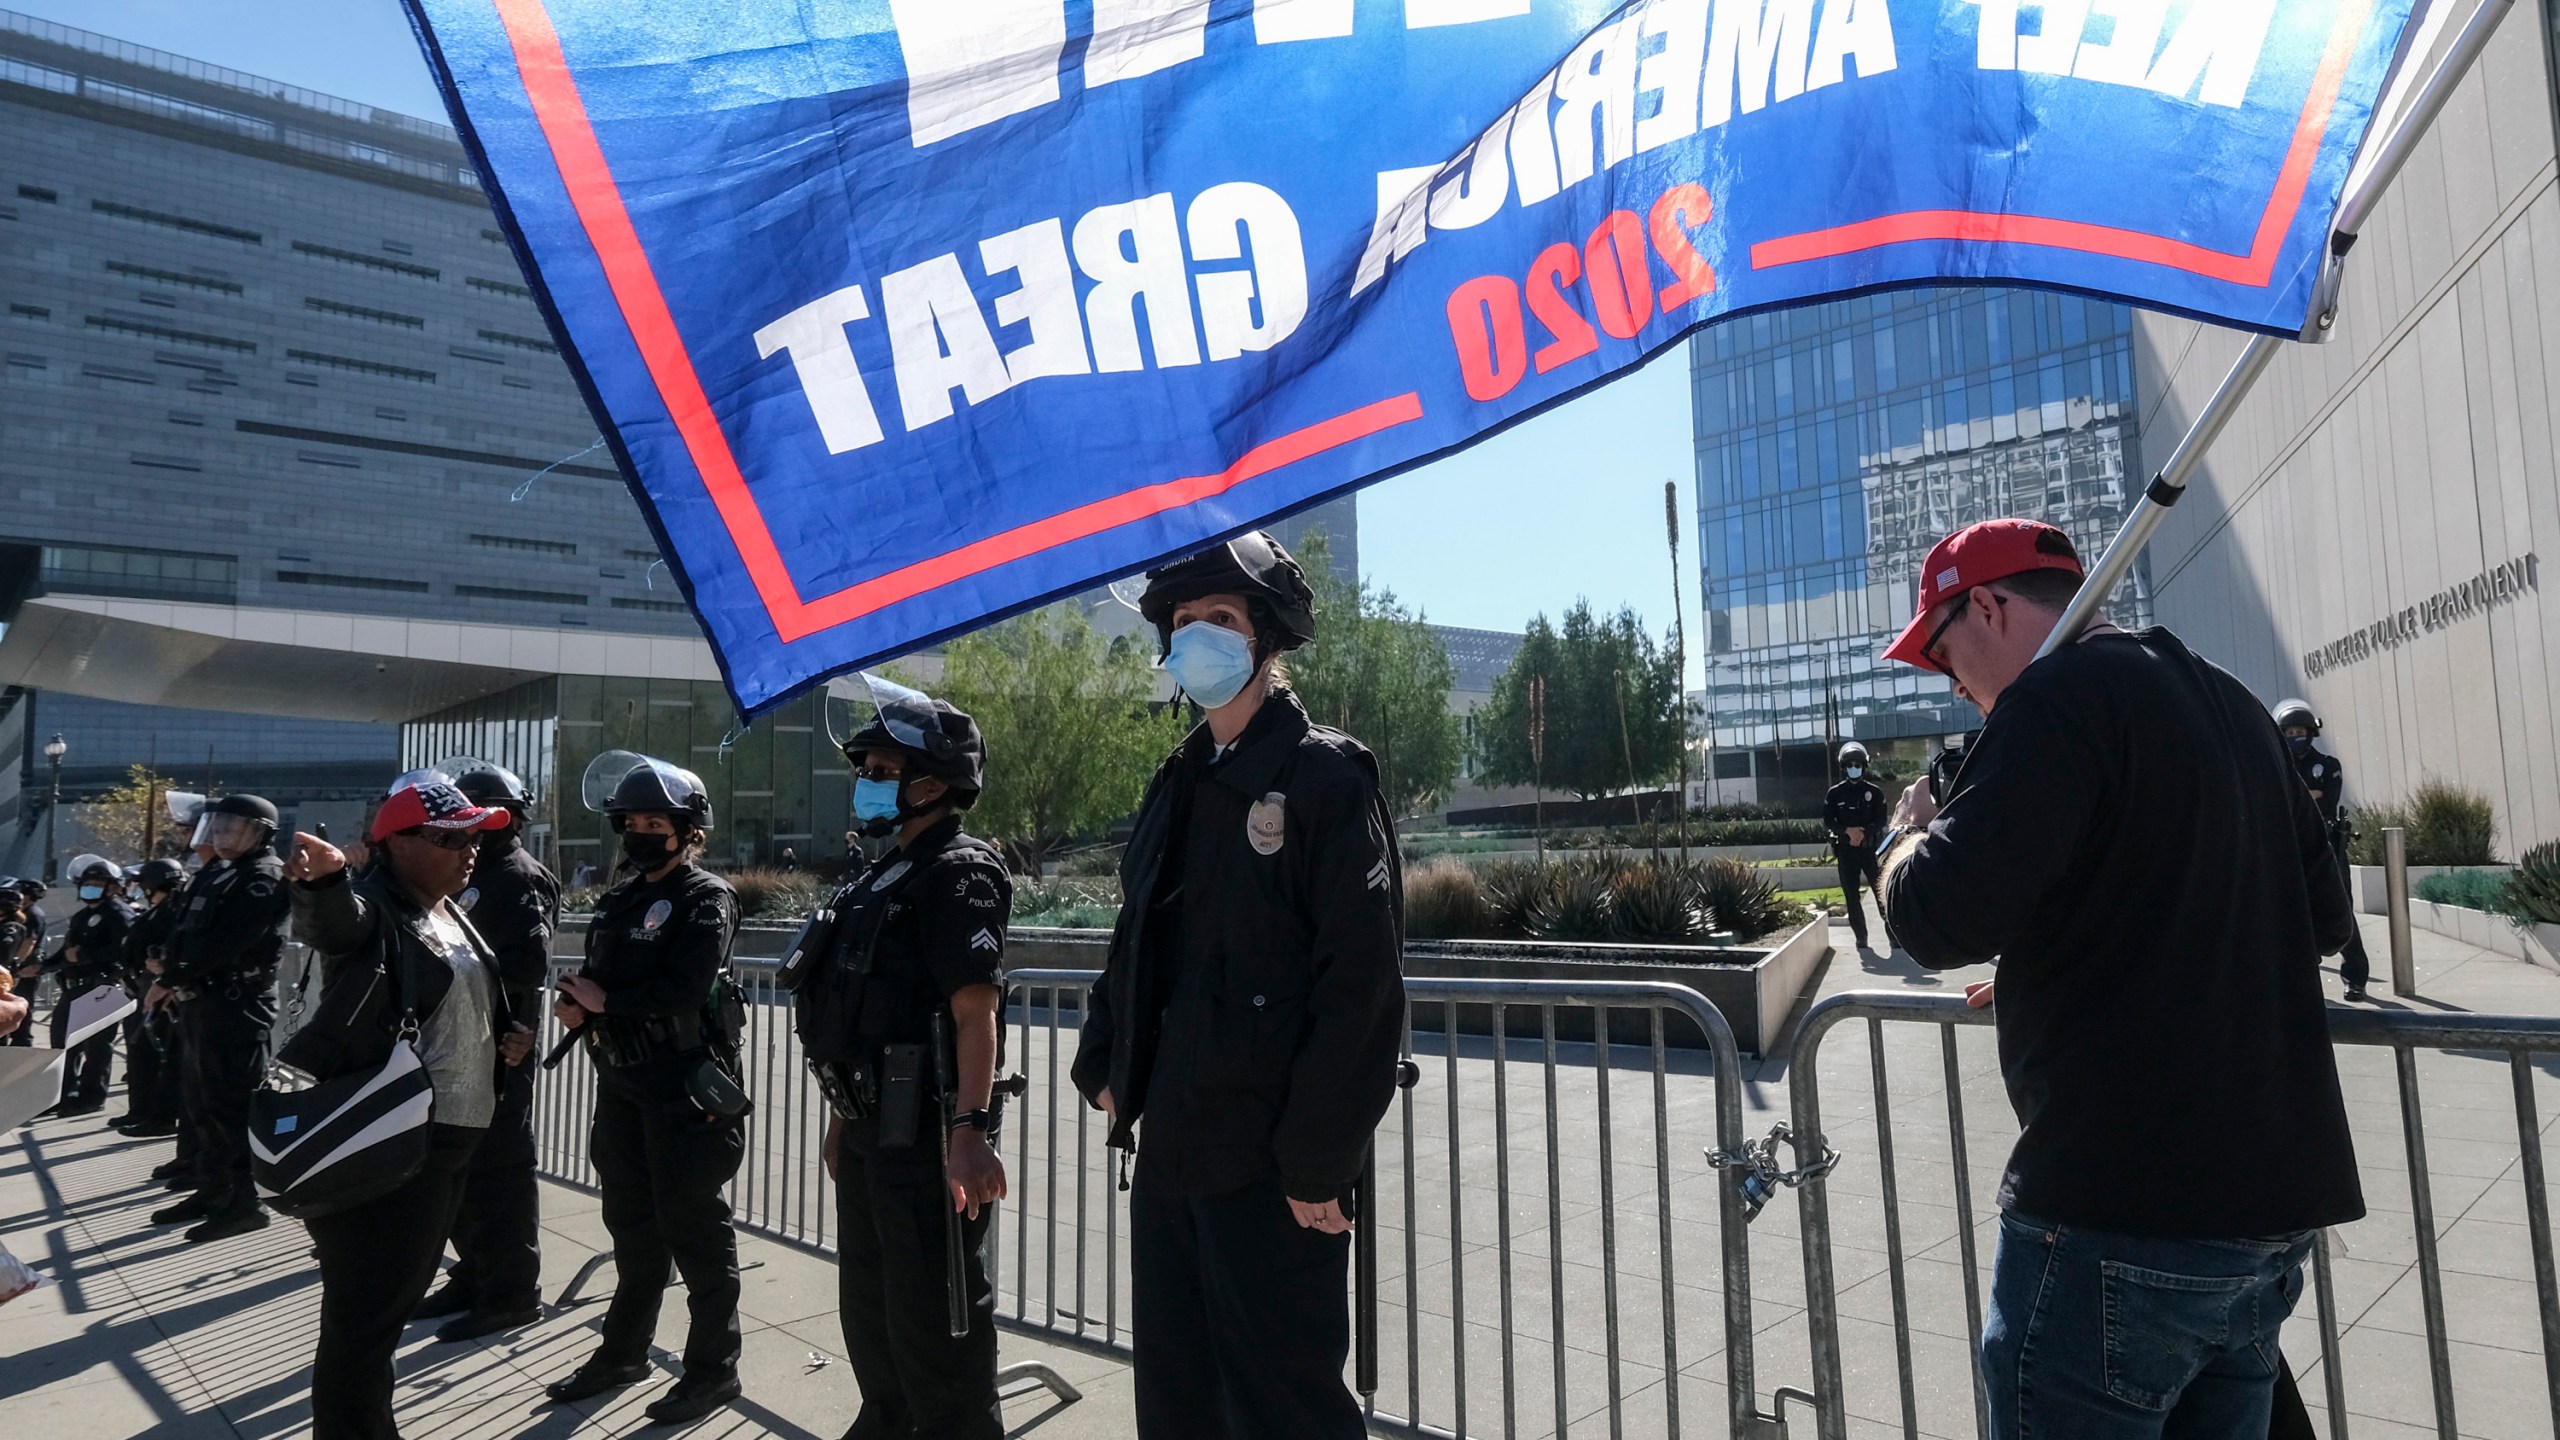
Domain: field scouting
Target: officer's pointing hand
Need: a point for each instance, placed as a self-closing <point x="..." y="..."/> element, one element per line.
<point x="1327" y="1217"/>
<point x="313" y="858"/>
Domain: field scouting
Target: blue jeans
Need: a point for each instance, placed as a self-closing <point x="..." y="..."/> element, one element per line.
<point x="2097" y="1336"/>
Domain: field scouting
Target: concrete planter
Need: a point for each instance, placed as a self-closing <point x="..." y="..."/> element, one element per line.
<point x="2496" y="934"/>
<point x="1753" y="987"/>
<point x="2373" y="893"/>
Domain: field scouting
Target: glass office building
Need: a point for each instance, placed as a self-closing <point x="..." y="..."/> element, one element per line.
<point x="1837" y="443"/>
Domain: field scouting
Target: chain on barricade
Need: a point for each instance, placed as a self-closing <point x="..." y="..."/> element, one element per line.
<point x="1762" y="1175"/>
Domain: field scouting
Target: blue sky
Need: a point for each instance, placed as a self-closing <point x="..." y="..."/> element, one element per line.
<point x="1568" y="505"/>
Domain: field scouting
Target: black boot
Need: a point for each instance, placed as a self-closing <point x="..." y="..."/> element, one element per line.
<point x="694" y="1396"/>
<point x="445" y="1299"/>
<point x="185" y="1212"/>
<point x="594" y="1378"/>
<point x="223" y="1224"/>
<point x="476" y="1323"/>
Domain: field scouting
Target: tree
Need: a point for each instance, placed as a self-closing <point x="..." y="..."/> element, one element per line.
<point x="119" y="819"/>
<point x="1378" y="673"/>
<point x="1586" y="666"/>
<point x="1070" y="729"/>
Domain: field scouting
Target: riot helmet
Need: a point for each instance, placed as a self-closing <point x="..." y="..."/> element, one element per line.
<point x="482" y="782"/>
<point x="166" y="876"/>
<point x="87" y="869"/>
<point x="937" y="739"/>
<point x="619" y="783"/>
<point x="2297" y="715"/>
<point x="234" y="822"/>
<point x="1853" y="753"/>
<point x="29" y="888"/>
<point x="1254" y="566"/>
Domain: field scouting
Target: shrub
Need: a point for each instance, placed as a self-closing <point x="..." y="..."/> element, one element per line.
<point x="767" y="894"/>
<point x="1656" y="902"/>
<point x="2369" y="822"/>
<point x="2449" y="825"/>
<point x="2470" y="889"/>
<point x="1575" y="903"/>
<point x="1072" y="902"/>
<point x="2533" y="891"/>
<point x="1742" y="901"/>
<point x="1445" y="900"/>
<point x="1098" y="860"/>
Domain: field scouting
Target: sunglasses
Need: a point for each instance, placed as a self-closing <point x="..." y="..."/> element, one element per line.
<point x="1929" y="647"/>
<point x="447" y="839"/>
<point x="878" y="773"/>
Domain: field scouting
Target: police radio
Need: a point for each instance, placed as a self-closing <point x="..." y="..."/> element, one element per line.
<point x="816" y="938"/>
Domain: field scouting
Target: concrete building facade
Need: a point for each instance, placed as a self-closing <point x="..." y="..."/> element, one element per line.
<point x="2371" y="532"/>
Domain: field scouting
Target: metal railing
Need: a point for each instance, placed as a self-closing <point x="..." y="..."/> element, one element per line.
<point x="1580" y="1104"/>
<point x="2518" y="1040"/>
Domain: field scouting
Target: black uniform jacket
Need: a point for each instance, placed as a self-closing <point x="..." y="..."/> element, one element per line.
<point x="656" y="946"/>
<point x="514" y="902"/>
<point x="97" y="933"/>
<point x="233" y="922"/>
<point x="2324" y="777"/>
<point x="932" y="917"/>
<point x="151" y="928"/>
<point x="353" y="921"/>
<point x="1254" y="997"/>
<point x="1854" y="804"/>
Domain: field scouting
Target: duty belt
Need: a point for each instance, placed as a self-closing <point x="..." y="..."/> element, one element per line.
<point x="623" y="1041"/>
<point x="851" y="1091"/>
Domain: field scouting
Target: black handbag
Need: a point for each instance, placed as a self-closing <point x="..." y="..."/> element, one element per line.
<point x="343" y="1117"/>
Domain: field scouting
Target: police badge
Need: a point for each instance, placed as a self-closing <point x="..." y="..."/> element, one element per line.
<point x="657" y="915"/>
<point x="1265" y="825"/>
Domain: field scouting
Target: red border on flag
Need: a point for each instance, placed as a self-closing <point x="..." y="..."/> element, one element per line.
<point x="2253" y="269"/>
<point x="593" y="194"/>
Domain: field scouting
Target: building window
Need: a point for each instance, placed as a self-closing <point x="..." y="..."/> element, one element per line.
<point x="37" y="192"/>
<point x="334" y="462"/>
<point x="530" y="597"/>
<point x="362" y="312"/>
<point x="351" y="582"/>
<point x="363" y="367"/>
<point x="520" y="542"/>
<point x="31" y="312"/>
<point x="172" y="277"/>
<point x="139" y="573"/>
<point x="662" y="607"/>
<point x="368" y="262"/>
<point x="186" y="463"/>
<point x="177" y="222"/>
<point x="498" y="287"/>
<point x="171" y="334"/>
<point x="520" y="342"/>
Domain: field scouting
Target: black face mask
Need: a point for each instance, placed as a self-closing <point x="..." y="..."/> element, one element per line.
<point x="647" y="851"/>
<point x="2298" y="743"/>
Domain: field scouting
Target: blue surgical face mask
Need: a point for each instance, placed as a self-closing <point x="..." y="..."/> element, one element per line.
<point x="93" y="892"/>
<point x="1209" y="662"/>
<point x="1853" y="771"/>
<point x="875" y="800"/>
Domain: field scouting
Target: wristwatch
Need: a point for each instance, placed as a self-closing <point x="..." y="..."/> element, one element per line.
<point x="982" y="1120"/>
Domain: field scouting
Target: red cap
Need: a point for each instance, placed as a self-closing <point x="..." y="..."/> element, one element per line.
<point x="434" y="806"/>
<point x="1978" y="555"/>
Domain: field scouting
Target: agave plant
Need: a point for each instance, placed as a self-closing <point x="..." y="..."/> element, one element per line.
<point x="1655" y="901"/>
<point x="1575" y="903"/>
<point x="2534" y="889"/>
<point x="1740" y="899"/>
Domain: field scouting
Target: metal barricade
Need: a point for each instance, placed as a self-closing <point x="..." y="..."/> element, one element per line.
<point x="1602" y="1277"/>
<point x="2518" y="1040"/>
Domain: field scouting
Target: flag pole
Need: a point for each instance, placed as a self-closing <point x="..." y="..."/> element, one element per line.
<point x="2364" y="191"/>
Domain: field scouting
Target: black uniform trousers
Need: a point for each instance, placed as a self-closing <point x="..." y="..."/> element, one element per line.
<point x="225" y="1050"/>
<point x="2354" y="966"/>
<point x="1245" y="1323"/>
<point x="661" y="1163"/>
<point x="1858" y="871"/>
<point x="497" y="1235"/>
<point x="85" y="1070"/>
<point x="376" y="1261"/>
<point x="150" y="1080"/>
<point x="892" y="1249"/>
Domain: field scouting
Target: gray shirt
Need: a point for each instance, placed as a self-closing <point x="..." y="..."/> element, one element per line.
<point x="455" y="1042"/>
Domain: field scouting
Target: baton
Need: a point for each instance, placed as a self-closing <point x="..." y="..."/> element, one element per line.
<point x="1364" y="1259"/>
<point x="955" y="1265"/>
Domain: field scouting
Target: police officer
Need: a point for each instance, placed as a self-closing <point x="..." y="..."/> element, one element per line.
<point x="657" y="1013"/>
<point x="2327" y="780"/>
<point x="914" y="956"/>
<point x="1853" y="815"/>
<point x="514" y="902"/>
<point x="91" y="955"/>
<point x="179" y="1172"/>
<point x="151" y="1090"/>
<point x="222" y="969"/>
<point x="18" y="942"/>
<point x="1249" y="1016"/>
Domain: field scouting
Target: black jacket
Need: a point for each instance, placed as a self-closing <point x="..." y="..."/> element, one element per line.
<point x="352" y="922"/>
<point x="656" y="947"/>
<point x="2128" y="837"/>
<point x="151" y="928"/>
<point x="232" y="923"/>
<point x="2324" y="777"/>
<point x="514" y="902"/>
<point x="1253" y="1003"/>
<point x="914" y="928"/>
<point x="1854" y="804"/>
<point x="97" y="932"/>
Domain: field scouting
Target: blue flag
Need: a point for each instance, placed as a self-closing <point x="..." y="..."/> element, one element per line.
<point x="903" y="315"/>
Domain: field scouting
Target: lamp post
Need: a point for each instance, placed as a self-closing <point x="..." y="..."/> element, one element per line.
<point x="53" y="753"/>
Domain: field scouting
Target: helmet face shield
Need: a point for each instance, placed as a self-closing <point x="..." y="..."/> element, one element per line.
<point x="863" y="702"/>
<point x="93" y="869"/>
<point x="229" y="835"/>
<point x="619" y="782"/>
